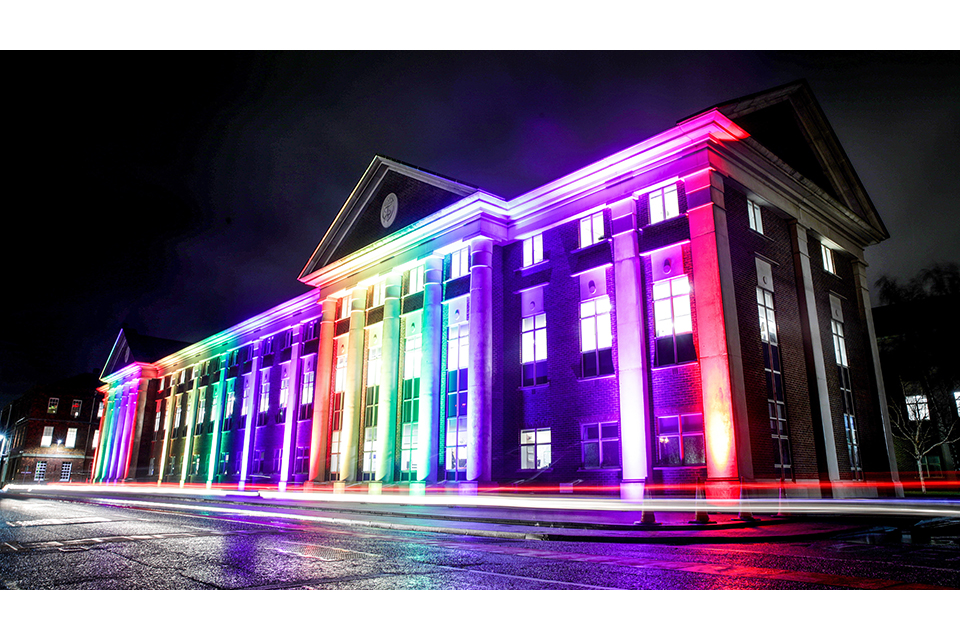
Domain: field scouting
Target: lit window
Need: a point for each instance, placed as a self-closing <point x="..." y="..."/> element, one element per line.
<point x="264" y="405"/>
<point x="156" y="415"/>
<point x="100" y="410"/>
<point x="284" y="387"/>
<point x="956" y="398"/>
<point x="96" y="439"/>
<point x="664" y="204"/>
<point x="65" y="470"/>
<point x="591" y="230"/>
<point x="773" y="372"/>
<point x="41" y="473"/>
<point x="917" y="408"/>
<point x="215" y="408"/>
<point x="415" y="280"/>
<point x="460" y="263"/>
<point x="753" y="215"/>
<point x="533" y="349"/>
<point x="71" y="441"/>
<point x="379" y="294"/>
<point x="680" y="441"/>
<point x="674" y="322"/>
<point x="47" y="439"/>
<point x="455" y="456"/>
<point x="839" y="343"/>
<point x="344" y="308"/>
<point x="596" y="338"/>
<point x="410" y="405"/>
<point x="245" y="400"/>
<point x="52" y="405"/>
<point x="600" y="445"/>
<point x="535" y="448"/>
<point x="202" y="406"/>
<point x="75" y="408"/>
<point x="768" y="320"/>
<point x="533" y="249"/>
<point x="828" y="263"/>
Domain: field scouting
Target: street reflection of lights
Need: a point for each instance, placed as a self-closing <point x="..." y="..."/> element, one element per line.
<point x="272" y="497"/>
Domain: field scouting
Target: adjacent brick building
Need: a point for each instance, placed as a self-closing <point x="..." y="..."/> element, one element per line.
<point x="693" y="307"/>
<point x="51" y="432"/>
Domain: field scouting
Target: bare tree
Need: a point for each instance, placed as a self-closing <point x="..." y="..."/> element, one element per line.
<point x="925" y="431"/>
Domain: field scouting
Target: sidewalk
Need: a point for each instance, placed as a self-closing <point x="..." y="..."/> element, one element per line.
<point x="487" y="517"/>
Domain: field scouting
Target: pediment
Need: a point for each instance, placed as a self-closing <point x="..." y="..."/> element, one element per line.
<point x="389" y="197"/>
<point x="789" y="122"/>
<point x="131" y="347"/>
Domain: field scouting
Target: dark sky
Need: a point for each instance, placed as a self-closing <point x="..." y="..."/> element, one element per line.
<point x="183" y="192"/>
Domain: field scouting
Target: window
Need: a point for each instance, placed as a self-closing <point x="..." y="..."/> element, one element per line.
<point x="65" y="470"/>
<point x="828" y="263"/>
<point x="533" y="349"/>
<point x="533" y="249"/>
<point x="664" y="204"/>
<point x="47" y="439"/>
<point x="680" y="441"/>
<point x="284" y="392"/>
<point x="202" y="408"/>
<point x="224" y="463"/>
<point x="264" y="405"/>
<point x="52" y="405"/>
<point x="917" y="408"/>
<point x="596" y="338"/>
<point x="460" y="263"/>
<point x="457" y="396"/>
<point x="410" y="405"/>
<point x="151" y="466"/>
<point x="277" y="461"/>
<point x="215" y="408"/>
<point x="378" y="294"/>
<point x="302" y="463"/>
<point x="96" y="439"/>
<point x="344" y="308"/>
<point x="753" y="216"/>
<point x="336" y="413"/>
<point x="591" y="230"/>
<point x="231" y="400"/>
<point x="415" y="280"/>
<point x="245" y="400"/>
<point x="75" y="408"/>
<point x="535" y="448"/>
<point x="371" y="401"/>
<point x="100" y="410"/>
<point x="773" y="370"/>
<point x="41" y="472"/>
<point x="673" y="321"/>
<point x="846" y="388"/>
<point x="600" y="445"/>
<point x="157" y="414"/>
<point x="71" y="440"/>
<point x="956" y="398"/>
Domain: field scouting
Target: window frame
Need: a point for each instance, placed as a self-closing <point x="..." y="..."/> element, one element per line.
<point x="684" y="431"/>
<point x="533" y="350"/>
<point x="663" y="213"/>
<point x="599" y="440"/>
<point x="52" y="405"/>
<point x="668" y="341"/>
<point x="754" y="217"/>
<point x="532" y="251"/>
<point x="601" y="338"/>
<point x="829" y="263"/>
<point x="537" y="446"/>
<point x="591" y="230"/>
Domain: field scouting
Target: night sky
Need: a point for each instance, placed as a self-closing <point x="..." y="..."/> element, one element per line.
<point x="183" y="193"/>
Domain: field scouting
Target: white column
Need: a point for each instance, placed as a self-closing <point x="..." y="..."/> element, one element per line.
<point x="352" y="411"/>
<point x="813" y="347"/>
<point x="631" y="352"/>
<point x="389" y="387"/>
<point x="428" y="429"/>
<point x="480" y="377"/>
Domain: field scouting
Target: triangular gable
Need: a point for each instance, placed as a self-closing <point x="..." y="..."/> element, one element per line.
<point x="389" y="197"/>
<point x="131" y="347"/>
<point x="789" y="122"/>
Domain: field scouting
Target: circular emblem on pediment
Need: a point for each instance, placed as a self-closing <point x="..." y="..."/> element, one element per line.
<point x="388" y="211"/>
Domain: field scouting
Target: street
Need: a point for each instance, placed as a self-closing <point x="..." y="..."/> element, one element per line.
<point x="53" y="544"/>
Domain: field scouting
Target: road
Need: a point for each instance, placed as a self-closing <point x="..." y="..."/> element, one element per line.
<point x="52" y="544"/>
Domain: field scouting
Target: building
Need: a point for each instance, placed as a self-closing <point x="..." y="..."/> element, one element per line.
<point x="50" y="434"/>
<point x="694" y="307"/>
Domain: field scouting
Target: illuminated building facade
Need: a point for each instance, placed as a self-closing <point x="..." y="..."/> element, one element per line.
<point x="693" y="307"/>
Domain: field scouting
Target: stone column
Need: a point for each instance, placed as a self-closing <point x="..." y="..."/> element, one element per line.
<point x="480" y="377"/>
<point x="632" y="367"/>
<point x="167" y="422"/>
<point x="103" y="454"/>
<point x="431" y="327"/>
<point x="323" y="384"/>
<point x="353" y="391"/>
<point x="293" y="403"/>
<point x="813" y="350"/>
<point x="866" y="312"/>
<point x="389" y="387"/>
<point x="116" y="433"/>
<point x="721" y="368"/>
<point x="193" y="398"/>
